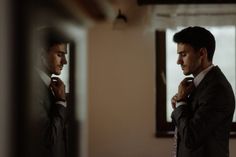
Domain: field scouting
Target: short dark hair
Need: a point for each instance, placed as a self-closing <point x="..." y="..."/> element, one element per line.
<point x="197" y="37"/>
<point x="52" y="36"/>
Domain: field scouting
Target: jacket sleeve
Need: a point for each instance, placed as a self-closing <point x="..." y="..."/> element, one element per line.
<point x="54" y="125"/>
<point x="214" y="110"/>
<point x="50" y="120"/>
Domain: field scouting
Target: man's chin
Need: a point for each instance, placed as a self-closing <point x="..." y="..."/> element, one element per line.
<point x="57" y="73"/>
<point x="186" y="73"/>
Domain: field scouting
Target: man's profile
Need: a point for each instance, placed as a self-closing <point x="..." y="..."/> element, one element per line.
<point x="204" y="104"/>
<point x="49" y="105"/>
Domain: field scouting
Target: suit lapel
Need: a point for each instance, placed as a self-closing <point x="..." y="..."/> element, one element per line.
<point x="194" y="96"/>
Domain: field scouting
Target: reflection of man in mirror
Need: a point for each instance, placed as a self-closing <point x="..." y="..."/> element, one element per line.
<point x="49" y="97"/>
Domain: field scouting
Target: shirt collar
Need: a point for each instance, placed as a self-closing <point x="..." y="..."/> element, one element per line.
<point x="201" y="75"/>
<point x="45" y="78"/>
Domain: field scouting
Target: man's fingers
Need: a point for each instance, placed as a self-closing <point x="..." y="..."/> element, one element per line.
<point x="56" y="81"/>
<point x="174" y="100"/>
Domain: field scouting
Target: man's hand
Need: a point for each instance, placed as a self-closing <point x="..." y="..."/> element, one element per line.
<point x="58" y="88"/>
<point x="174" y="101"/>
<point x="185" y="88"/>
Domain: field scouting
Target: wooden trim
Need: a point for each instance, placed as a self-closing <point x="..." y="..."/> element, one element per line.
<point x="154" y="2"/>
<point x="163" y="128"/>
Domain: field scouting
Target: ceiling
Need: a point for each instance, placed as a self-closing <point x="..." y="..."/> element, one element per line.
<point x="149" y="13"/>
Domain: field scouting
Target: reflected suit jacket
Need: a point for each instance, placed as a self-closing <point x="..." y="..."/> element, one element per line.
<point x="204" y="123"/>
<point x="48" y="123"/>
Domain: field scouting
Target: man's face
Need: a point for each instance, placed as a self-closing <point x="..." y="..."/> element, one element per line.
<point x="189" y="59"/>
<point x="56" y="58"/>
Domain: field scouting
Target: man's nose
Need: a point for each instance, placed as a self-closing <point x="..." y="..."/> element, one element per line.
<point x="179" y="60"/>
<point x="64" y="60"/>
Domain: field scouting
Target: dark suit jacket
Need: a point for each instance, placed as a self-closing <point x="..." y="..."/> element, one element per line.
<point x="205" y="122"/>
<point x="47" y="123"/>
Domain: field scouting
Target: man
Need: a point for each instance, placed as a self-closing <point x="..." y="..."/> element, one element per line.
<point x="204" y="105"/>
<point x="48" y="112"/>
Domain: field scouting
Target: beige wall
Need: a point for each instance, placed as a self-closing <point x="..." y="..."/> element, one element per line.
<point x="121" y="107"/>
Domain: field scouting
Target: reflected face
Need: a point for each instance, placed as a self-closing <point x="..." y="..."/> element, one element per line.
<point x="189" y="59"/>
<point x="56" y="59"/>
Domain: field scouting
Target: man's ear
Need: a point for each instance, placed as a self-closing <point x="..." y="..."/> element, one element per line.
<point x="43" y="54"/>
<point x="203" y="52"/>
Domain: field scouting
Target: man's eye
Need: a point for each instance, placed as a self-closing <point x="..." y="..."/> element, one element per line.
<point x="183" y="54"/>
<point x="59" y="55"/>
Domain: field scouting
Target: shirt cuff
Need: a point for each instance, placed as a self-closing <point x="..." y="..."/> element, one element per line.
<point x="63" y="103"/>
<point x="180" y="103"/>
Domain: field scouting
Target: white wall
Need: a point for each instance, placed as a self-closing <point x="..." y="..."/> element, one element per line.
<point x="122" y="94"/>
